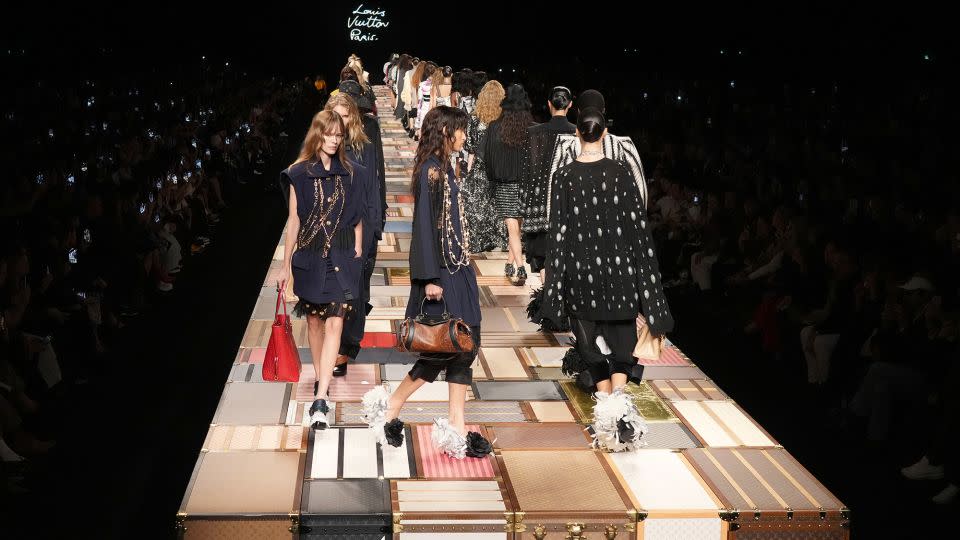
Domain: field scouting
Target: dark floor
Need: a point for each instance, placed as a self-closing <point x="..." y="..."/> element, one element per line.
<point x="134" y="434"/>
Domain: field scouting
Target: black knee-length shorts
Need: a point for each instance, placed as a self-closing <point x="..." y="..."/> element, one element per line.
<point x="458" y="366"/>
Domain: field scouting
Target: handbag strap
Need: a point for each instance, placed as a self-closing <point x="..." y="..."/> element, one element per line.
<point x="446" y="314"/>
<point x="407" y="339"/>
<point x="452" y="328"/>
<point x="281" y="299"/>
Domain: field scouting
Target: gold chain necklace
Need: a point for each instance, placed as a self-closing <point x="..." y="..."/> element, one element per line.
<point x="319" y="218"/>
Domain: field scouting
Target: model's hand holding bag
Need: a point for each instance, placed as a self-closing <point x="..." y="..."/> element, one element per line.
<point x="427" y="333"/>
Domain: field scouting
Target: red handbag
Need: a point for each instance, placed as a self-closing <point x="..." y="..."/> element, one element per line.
<point x="281" y="361"/>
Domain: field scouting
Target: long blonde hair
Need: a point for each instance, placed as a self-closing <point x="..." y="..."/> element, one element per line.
<point x="323" y="122"/>
<point x="437" y="78"/>
<point x="354" y="134"/>
<point x="417" y="76"/>
<point x="488" y="102"/>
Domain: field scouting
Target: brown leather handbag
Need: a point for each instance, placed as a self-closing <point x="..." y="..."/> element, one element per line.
<point x="434" y="333"/>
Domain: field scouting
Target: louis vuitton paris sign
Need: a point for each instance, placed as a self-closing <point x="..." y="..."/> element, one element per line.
<point x="364" y="23"/>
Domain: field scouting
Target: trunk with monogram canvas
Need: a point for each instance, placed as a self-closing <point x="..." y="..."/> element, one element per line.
<point x="565" y="492"/>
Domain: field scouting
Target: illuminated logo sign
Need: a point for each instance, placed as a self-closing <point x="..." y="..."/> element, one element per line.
<point x="365" y="23"/>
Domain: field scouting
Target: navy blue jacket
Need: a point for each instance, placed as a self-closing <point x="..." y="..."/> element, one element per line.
<point x="348" y="268"/>
<point x="427" y="262"/>
<point x="372" y="210"/>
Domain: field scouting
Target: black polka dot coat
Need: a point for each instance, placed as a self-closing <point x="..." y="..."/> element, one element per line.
<point x="601" y="263"/>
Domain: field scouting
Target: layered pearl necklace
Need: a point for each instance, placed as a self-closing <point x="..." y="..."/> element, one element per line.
<point x="451" y="238"/>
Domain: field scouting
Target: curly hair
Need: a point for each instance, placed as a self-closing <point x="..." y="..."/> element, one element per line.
<point x="516" y="117"/>
<point x="488" y="102"/>
<point x="436" y="137"/>
<point x="513" y="127"/>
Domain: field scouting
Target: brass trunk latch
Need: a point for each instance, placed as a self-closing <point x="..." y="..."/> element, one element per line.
<point x="514" y="522"/>
<point x="540" y="532"/>
<point x="574" y="531"/>
<point x="294" y="523"/>
<point x="634" y="517"/>
<point x="610" y="532"/>
<point x="397" y="527"/>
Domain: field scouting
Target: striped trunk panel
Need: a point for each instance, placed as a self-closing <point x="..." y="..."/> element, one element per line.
<point x="354" y="453"/>
<point x="670" y="356"/>
<point x="672" y="372"/>
<point x="359" y="380"/>
<point x="766" y="479"/>
<point x="233" y="438"/>
<point x="688" y="390"/>
<point x="449" y="496"/>
<point x="437" y="464"/>
<point x="426" y="411"/>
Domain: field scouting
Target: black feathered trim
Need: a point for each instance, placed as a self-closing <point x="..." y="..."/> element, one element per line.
<point x="533" y="314"/>
<point x="573" y="363"/>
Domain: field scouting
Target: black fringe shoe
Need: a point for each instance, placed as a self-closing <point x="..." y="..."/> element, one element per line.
<point x="508" y="271"/>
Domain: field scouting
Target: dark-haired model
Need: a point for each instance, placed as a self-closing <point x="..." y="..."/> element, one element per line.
<point x="602" y="275"/>
<point x="441" y="280"/>
<point x="535" y="179"/>
<point x="502" y="152"/>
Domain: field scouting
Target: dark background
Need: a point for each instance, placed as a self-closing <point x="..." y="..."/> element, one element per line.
<point x="759" y="40"/>
<point x="140" y="440"/>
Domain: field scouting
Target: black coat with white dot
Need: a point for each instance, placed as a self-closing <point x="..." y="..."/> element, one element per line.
<point x="601" y="263"/>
